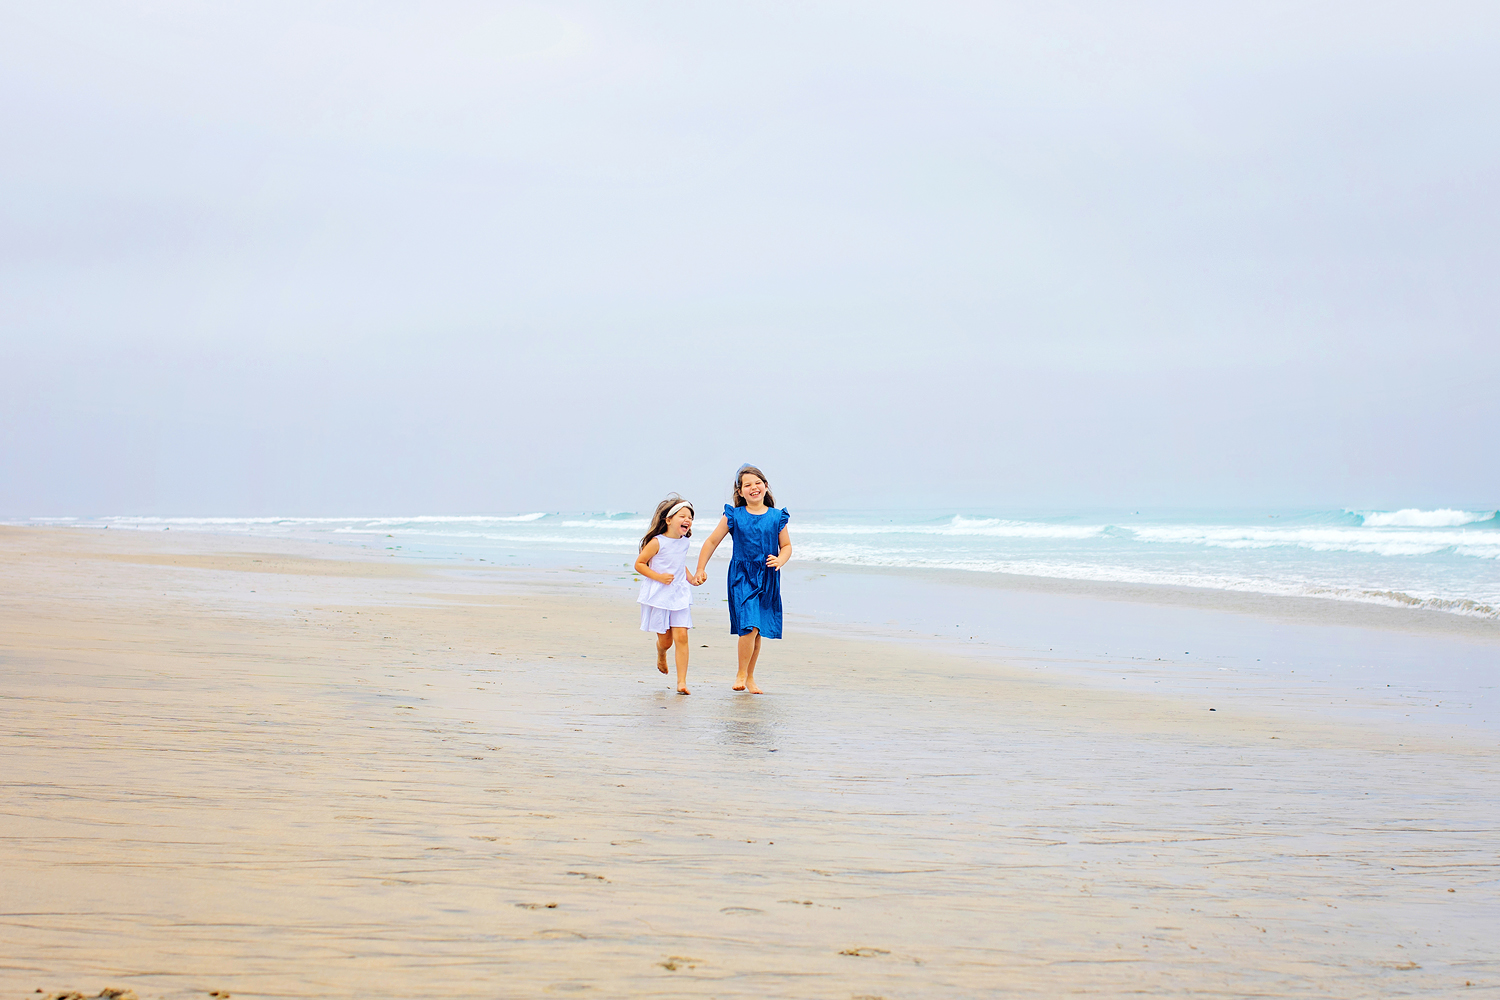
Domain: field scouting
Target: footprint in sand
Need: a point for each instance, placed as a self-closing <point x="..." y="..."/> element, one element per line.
<point x="740" y="910"/>
<point x="864" y="952"/>
<point x="537" y="906"/>
<point x="674" y="962"/>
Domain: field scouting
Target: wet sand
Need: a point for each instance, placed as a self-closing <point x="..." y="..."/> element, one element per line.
<point x="265" y="773"/>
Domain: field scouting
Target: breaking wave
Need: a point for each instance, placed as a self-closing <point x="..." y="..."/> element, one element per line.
<point x="1411" y="517"/>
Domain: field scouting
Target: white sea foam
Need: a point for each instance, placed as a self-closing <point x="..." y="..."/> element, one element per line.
<point x="1477" y="552"/>
<point x="1292" y="586"/>
<point x="1325" y="539"/>
<point x="457" y="519"/>
<point x="959" y="527"/>
<point x="222" y="522"/>
<point x="1411" y="517"/>
<point x="412" y="535"/>
<point x="383" y="523"/>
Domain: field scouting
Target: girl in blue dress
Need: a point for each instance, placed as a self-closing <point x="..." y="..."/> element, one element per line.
<point x="761" y="547"/>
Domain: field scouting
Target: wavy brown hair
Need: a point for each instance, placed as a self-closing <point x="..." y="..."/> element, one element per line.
<point x="739" y="477"/>
<point x="659" y="520"/>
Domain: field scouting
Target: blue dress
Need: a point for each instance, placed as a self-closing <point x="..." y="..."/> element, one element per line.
<point x="754" y="587"/>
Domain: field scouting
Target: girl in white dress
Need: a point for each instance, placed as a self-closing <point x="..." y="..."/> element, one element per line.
<point x="666" y="592"/>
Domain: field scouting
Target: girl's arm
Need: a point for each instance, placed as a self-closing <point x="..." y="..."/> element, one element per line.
<point x="706" y="553"/>
<point x="642" y="562"/>
<point x="784" y="555"/>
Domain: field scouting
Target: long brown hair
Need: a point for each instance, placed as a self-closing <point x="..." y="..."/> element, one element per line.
<point x="659" y="520"/>
<point x="739" y="477"/>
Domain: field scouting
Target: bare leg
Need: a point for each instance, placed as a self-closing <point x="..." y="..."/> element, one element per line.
<point x="750" y="671"/>
<point x="680" y="641"/>
<point x="749" y="650"/>
<point x="663" y="643"/>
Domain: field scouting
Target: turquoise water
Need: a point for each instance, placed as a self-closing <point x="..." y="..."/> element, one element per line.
<point x="1443" y="559"/>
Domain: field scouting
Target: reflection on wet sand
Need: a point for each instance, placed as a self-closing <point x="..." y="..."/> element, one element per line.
<point x="749" y="725"/>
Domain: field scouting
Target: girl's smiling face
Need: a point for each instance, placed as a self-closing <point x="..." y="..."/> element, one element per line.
<point x="680" y="523"/>
<point x="752" y="488"/>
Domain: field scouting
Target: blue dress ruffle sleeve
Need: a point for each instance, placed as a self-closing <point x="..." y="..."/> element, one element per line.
<point x="755" y="588"/>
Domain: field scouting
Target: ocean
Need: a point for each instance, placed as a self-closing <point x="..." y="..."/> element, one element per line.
<point x="1442" y="559"/>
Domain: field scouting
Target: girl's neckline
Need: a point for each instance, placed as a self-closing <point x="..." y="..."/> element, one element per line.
<point x="752" y="513"/>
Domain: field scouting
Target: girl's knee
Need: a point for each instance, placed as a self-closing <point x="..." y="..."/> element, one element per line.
<point x="680" y="636"/>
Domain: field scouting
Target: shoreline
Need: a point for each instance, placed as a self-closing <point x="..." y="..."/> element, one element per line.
<point x="1305" y="609"/>
<point x="1284" y="607"/>
<point x="303" y="776"/>
<point x="1438" y="560"/>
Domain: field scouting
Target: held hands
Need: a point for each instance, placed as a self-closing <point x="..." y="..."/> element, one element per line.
<point x="697" y="579"/>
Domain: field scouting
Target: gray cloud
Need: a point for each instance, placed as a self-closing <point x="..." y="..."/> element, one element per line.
<point x="317" y="258"/>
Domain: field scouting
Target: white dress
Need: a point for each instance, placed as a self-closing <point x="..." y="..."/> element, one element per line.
<point x="667" y="605"/>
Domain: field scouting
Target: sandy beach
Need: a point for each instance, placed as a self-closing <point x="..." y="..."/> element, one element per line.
<point x="243" y="766"/>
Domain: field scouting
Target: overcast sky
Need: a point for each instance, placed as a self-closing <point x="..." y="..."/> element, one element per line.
<point x="293" y="258"/>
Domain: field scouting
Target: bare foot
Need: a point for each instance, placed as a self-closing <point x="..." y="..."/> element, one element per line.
<point x="661" y="660"/>
<point x="753" y="689"/>
<point x="683" y="691"/>
<point x="739" y="684"/>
